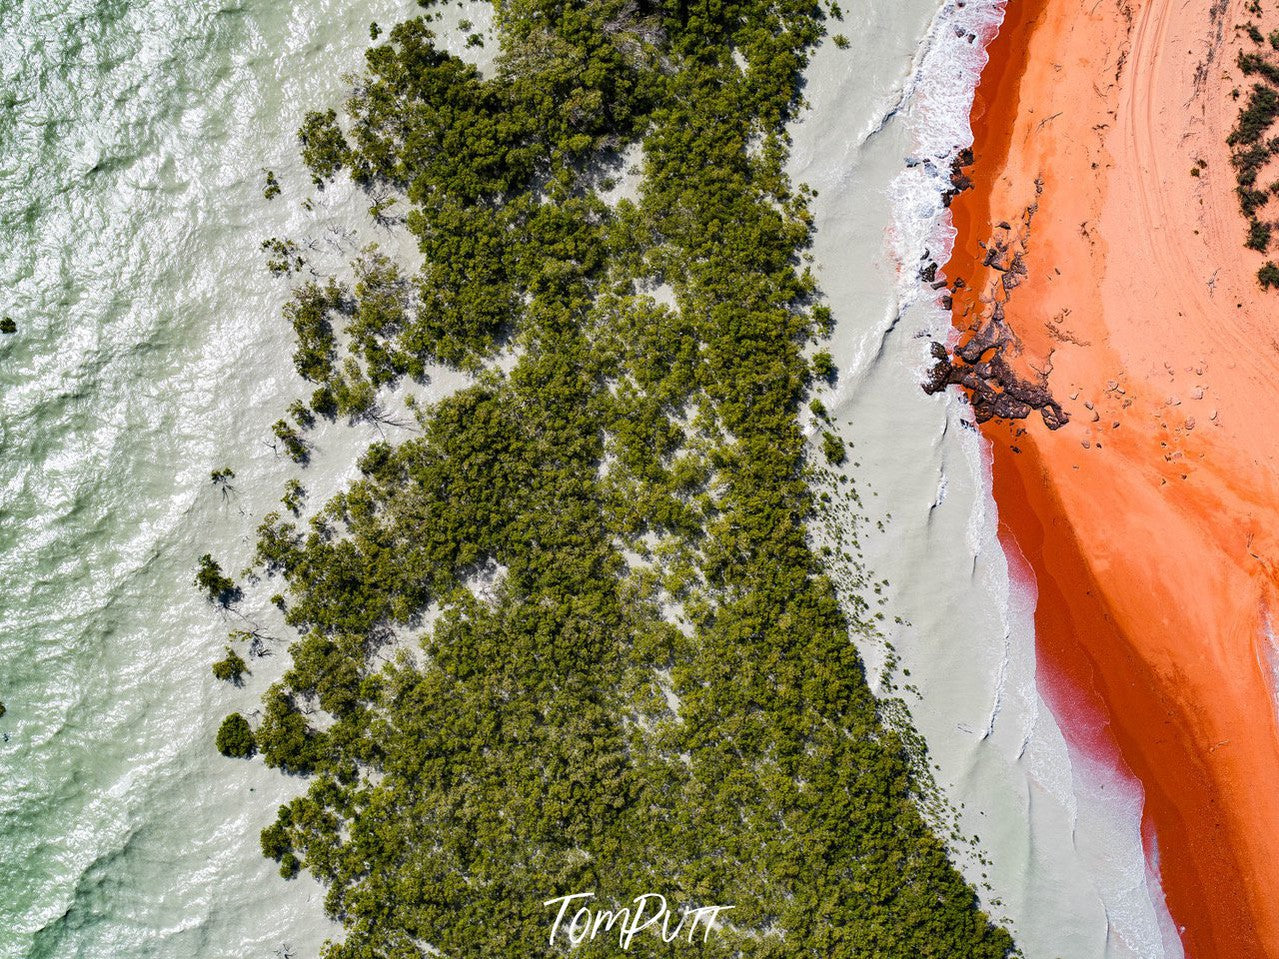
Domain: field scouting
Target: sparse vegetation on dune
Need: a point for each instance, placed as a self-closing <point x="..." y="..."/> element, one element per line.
<point x="1252" y="151"/>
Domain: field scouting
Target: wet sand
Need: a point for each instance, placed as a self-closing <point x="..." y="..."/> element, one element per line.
<point x="1149" y="520"/>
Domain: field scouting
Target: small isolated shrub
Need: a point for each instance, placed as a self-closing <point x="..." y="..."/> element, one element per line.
<point x="272" y="188"/>
<point x="294" y="445"/>
<point x="294" y="495"/>
<point x="841" y="41"/>
<point x="211" y="581"/>
<point x="1268" y="275"/>
<point x="230" y="669"/>
<point x="8" y="326"/>
<point x="282" y="256"/>
<point x="833" y="448"/>
<point x="823" y="365"/>
<point x="235" y="738"/>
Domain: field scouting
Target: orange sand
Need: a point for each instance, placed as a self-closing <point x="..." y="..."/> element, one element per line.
<point x="1150" y="520"/>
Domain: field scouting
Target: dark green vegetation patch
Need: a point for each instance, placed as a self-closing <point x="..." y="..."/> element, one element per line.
<point x="235" y="737"/>
<point x="1252" y="150"/>
<point x="656" y="692"/>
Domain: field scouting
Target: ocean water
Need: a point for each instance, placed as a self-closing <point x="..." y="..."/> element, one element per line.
<point x="133" y="138"/>
<point x="150" y="350"/>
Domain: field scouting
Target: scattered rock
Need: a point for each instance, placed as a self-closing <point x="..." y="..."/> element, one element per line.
<point x="959" y="180"/>
<point x="982" y="362"/>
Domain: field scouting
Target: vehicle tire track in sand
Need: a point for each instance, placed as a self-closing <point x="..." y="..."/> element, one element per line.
<point x="1162" y="226"/>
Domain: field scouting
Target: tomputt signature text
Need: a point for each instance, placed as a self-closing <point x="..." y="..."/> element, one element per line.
<point x="650" y="909"/>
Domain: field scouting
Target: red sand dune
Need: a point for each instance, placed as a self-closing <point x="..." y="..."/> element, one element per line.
<point x="1150" y="520"/>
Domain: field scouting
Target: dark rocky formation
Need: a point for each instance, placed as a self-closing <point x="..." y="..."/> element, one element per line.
<point x="959" y="180"/>
<point x="994" y="389"/>
<point x="982" y="363"/>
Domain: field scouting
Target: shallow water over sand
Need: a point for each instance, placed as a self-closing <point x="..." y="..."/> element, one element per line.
<point x="149" y="352"/>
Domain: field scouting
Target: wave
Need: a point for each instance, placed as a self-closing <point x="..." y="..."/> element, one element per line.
<point x="939" y="101"/>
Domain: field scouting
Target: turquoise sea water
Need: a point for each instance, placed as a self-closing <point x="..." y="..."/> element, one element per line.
<point x="150" y="351"/>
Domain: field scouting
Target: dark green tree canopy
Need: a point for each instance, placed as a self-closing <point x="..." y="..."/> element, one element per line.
<point x="632" y="674"/>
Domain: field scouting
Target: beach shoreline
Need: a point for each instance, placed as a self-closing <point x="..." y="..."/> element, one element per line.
<point x="1059" y="853"/>
<point x="1147" y="517"/>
